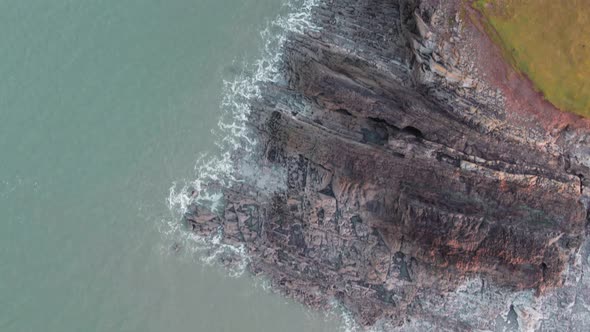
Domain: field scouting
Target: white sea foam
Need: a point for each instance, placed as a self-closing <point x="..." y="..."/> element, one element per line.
<point x="232" y="132"/>
<point x="233" y="140"/>
<point x="348" y="322"/>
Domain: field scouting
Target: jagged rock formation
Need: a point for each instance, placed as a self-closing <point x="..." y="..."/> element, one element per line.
<point x="405" y="174"/>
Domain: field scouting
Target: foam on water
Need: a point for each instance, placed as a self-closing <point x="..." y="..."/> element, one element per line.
<point x="234" y="141"/>
<point x="348" y="322"/>
<point x="232" y="134"/>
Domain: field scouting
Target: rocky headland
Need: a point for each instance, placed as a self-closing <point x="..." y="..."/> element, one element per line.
<point x="423" y="183"/>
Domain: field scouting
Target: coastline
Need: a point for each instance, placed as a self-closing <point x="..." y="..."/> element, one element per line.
<point x="410" y="181"/>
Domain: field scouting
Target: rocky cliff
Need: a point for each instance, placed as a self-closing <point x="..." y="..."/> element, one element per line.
<point x="406" y="170"/>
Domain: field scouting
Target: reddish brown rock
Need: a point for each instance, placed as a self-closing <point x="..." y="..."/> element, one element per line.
<point x="405" y="173"/>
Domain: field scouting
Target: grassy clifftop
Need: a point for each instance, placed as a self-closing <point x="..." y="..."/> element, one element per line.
<point x="549" y="41"/>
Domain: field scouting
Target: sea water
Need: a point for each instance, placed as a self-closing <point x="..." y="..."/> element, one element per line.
<point x="108" y="109"/>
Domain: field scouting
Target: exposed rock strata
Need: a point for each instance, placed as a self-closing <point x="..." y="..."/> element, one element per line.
<point x="404" y="173"/>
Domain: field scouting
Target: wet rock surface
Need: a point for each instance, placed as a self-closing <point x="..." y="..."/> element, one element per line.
<point x="406" y="184"/>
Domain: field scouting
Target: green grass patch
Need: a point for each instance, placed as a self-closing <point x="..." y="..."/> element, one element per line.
<point x="549" y="41"/>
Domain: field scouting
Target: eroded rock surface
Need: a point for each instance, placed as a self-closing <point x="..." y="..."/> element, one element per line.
<point x="404" y="173"/>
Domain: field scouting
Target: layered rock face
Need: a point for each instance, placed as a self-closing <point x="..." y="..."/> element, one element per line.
<point x="403" y="174"/>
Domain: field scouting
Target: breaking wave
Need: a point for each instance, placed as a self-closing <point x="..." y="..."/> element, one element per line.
<point x="233" y="141"/>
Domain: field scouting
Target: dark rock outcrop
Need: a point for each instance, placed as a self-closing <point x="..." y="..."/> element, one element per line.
<point x="403" y="176"/>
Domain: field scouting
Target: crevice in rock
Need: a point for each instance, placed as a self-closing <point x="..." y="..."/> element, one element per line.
<point x="544" y="270"/>
<point x="413" y="131"/>
<point x="328" y="191"/>
<point x="343" y="112"/>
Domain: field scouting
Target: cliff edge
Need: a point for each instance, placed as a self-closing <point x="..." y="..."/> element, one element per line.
<point x="413" y="163"/>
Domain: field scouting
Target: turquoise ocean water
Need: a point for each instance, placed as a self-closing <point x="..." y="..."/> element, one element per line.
<point x="103" y="105"/>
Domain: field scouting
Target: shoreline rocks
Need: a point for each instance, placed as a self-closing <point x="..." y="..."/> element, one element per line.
<point x="402" y="180"/>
